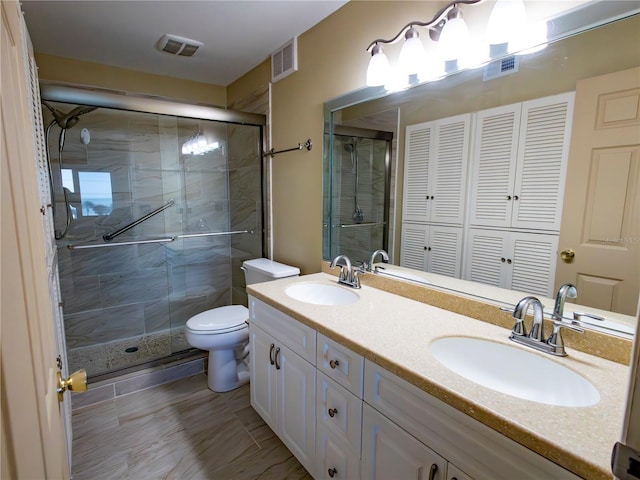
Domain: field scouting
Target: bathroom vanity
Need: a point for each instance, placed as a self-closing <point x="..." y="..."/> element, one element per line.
<point x="354" y="391"/>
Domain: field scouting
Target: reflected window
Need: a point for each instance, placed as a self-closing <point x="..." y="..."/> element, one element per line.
<point x="95" y="193"/>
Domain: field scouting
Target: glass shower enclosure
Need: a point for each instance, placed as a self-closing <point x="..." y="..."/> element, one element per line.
<point x="156" y="205"/>
<point x="357" y="192"/>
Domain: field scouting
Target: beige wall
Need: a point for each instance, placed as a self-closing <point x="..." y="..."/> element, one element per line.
<point x="66" y="70"/>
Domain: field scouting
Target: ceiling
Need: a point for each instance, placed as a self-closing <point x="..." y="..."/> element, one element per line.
<point x="237" y="35"/>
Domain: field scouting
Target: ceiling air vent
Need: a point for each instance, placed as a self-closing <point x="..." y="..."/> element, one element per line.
<point x="499" y="68"/>
<point x="176" y="45"/>
<point x="284" y="61"/>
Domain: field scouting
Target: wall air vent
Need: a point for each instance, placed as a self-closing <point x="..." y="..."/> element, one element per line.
<point x="176" y="45"/>
<point x="502" y="67"/>
<point x="284" y="61"/>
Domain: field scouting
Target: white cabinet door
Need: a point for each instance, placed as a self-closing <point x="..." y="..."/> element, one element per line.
<point x="296" y="405"/>
<point x="283" y="393"/>
<point x="493" y="165"/>
<point x="436" y="159"/>
<point x="545" y="132"/>
<point x="513" y="260"/>
<point x="432" y="248"/>
<point x="448" y="185"/>
<point x="390" y="453"/>
<point x="454" y="473"/>
<point x="263" y="375"/>
<point x="334" y="459"/>
<point x="519" y="162"/>
<point x="417" y="170"/>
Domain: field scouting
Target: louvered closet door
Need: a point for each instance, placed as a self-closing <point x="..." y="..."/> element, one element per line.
<point x="444" y="250"/>
<point x="494" y="165"/>
<point x="485" y="252"/>
<point x="414" y="246"/>
<point x="417" y="158"/>
<point x="449" y="178"/>
<point x="534" y="263"/>
<point x="545" y="131"/>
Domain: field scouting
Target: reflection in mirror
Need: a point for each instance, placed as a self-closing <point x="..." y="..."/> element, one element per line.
<point x="594" y="241"/>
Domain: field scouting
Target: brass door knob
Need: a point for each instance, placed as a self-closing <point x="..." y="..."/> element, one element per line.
<point x="77" y="382"/>
<point x="567" y="255"/>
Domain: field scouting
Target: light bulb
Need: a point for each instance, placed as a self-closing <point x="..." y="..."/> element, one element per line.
<point x="412" y="55"/>
<point x="453" y="39"/>
<point x="432" y="70"/>
<point x="508" y="19"/>
<point x="379" y="69"/>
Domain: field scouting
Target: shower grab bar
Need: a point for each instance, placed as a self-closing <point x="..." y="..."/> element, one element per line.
<point x="157" y="240"/>
<point x="273" y="152"/>
<point x="351" y="225"/>
<point x="107" y="237"/>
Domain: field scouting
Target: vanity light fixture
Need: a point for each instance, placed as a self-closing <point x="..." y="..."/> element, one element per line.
<point x="507" y="32"/>
<point x="198" y="145"/>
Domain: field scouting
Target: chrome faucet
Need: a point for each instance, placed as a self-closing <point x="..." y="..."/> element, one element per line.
<point x="565" y="290"/>
<point x="348" y="275"/>
<point x="382" y="253"/>
<point x="554" y="345"/>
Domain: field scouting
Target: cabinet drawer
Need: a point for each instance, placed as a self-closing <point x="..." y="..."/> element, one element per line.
<point x="295" y="335"/>
<point x="335" y="459"/>
<point x="339" y="411"/>
<point x="340" y="364"/>
<point x="469" y="444"/>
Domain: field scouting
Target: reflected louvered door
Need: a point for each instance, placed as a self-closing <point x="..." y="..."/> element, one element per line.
<point x="486" y="256"/>
<point x="542" y="161"/>
<point x="444" y="250"/>
<point x="417" y="157"/>
<point x="448" y="178"/>
<point x="414" y="246"/>
<point x="534" y="263"/>
<point x="494" y="165"/>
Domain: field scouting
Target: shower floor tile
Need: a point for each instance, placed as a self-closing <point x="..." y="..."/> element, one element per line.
<point x="179" y="430"/>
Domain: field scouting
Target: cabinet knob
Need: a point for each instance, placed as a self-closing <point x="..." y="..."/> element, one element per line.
<point x="516" y="197"/>
<point x="432" y="197"/>
<point x="509" y="261"/>
<point x="333" y="412"/>
<point x="508" y="197"/>
<point x="334" y="363"/>
<point x="332" y="472"/>
<point x="503" y="259"/>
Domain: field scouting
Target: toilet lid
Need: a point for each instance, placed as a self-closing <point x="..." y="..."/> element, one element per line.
<point x="219" y="320"/>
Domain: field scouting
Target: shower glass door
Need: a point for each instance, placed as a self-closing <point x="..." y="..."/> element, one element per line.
<point x="358" y="203"/>
<point x="154" y="215"/>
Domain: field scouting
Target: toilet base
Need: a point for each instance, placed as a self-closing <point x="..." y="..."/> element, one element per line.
<point x="226" y="372"/>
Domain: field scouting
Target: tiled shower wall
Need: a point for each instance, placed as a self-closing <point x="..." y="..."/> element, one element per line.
<point x="138" y="297"/>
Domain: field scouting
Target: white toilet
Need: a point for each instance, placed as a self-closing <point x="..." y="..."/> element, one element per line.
<point x="224" y="331"/>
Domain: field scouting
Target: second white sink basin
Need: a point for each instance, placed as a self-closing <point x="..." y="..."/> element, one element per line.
<point x="514" y="371"/>
<point x="319" y="294"/>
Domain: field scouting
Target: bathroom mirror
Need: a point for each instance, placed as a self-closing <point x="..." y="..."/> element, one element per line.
<point x="591" y="48"/>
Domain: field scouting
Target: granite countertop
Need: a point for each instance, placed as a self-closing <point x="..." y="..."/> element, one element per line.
<point x="394" y="332"/>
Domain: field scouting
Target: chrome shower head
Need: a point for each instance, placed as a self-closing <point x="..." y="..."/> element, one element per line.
<point x="68" y="120"/>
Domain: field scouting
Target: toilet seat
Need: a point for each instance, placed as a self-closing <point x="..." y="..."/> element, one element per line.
<point x="219" y="320"/>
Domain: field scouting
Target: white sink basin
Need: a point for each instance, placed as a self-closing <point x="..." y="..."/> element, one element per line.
<point x="319" y="294"/>
<point x="514" y="371"/>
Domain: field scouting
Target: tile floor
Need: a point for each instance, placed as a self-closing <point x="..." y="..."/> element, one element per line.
<point x="180" y="430"/>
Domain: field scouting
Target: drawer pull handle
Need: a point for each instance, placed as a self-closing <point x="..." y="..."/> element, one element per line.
<point x="334" y="363"/>
<point x="276" y="358"/>
<point x="432" y="471"/>
<point x="333" y="412"/>
<point x="271" y="354"/>
<point x="332" y="472"/>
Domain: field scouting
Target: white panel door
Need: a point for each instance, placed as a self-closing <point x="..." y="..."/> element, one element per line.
<point x="533" y="265"/>
<point x="451" y="157"/>
<point x="296" y="405"/>
<point x="493" y="165"/>
<point x="444" y="250"/>
<point x="486" y="256"/>
<point x="417" y="160"/>
<point x="263" y="375"/>
<point x="390" y="453"/>
<point x="414" y="246"/>
<point x="545" y="131"/>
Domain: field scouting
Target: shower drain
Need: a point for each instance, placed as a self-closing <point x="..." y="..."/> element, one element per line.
<point x="131" y="349"/>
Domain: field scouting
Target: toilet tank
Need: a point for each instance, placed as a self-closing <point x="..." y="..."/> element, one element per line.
<point x="263" y="270"/>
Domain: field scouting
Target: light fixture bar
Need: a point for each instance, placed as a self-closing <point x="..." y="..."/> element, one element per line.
<point x="434" y="25"/>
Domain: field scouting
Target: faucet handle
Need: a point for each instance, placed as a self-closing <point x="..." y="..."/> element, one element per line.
<point x="555" y="339"/>
<point x="519" y="328"/>
<point x="580" y="316"/>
